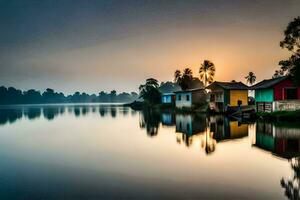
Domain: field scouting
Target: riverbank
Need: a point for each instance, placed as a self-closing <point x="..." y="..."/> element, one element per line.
<point x="139" y="105"/>
<point x="280" y="116"/>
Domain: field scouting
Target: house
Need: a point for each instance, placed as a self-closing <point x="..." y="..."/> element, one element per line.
<point x="224" y="129"/>
<point x="168" y="98"/>
<point x="223" y="94"/>
<point x="190" y="98"/>
<point x="276" y="95"/>
<point x="282" y="141"/>
<point x="189" y="127"/>
<point x="168" y="119"/>
<point x="190" y="124"/>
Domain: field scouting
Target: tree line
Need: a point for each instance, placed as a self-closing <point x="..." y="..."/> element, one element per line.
<point x="12" y="95"/>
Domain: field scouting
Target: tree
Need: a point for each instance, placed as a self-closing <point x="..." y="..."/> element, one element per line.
<point x="250" y="78"/>
<point x="207" y="72"/>
<point x="185" y="79"/>
<point x="150" y="92"/>
<point x="168" y="87"/>
<point x="32" y="96"/>
<point x="291" y="42"/>
<point x="113" y="95"/>
<point x="278" y="73"/>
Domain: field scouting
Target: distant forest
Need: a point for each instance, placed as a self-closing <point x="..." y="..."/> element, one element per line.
<point x="12" y="95"/>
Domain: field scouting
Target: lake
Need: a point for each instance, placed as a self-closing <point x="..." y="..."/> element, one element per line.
<point x="112" y="152"/>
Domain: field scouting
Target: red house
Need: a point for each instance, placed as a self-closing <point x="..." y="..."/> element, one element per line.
<point x="277" y="94"/>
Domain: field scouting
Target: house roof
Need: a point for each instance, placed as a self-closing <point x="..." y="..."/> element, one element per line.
<point x="229" y="85"/>
<point x="189" y="90"/>
<point x="168" y="93"/>
<point x="267" y="83"/>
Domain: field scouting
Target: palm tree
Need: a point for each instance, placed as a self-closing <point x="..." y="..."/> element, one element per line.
<point x="207" y="72"/>
<point x="177" y="76"/>
<point x="184" y="79"/>
<point x="187" y="72"/>
<point x="150" y="92"/>
<point x="251" y="78"/>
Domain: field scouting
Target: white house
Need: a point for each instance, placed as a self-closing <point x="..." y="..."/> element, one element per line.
<point x="190" y="98"/>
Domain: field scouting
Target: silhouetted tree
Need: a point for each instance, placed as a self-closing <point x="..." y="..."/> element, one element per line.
<point x="291" y="42"/>
<point x="150" y="92"/>
<point x="32" y="96"/>
<point x="113" y="96"/>
<point x="183" y="79"/>
<point x="207" y="72"/>
<point x="186" y="80"/>
<point x="278" y="73"/>
<point x="250" y="78"/>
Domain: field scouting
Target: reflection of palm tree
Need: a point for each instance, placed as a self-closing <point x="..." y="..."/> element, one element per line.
<point x="207" y="72"/>
<point x="210" y="143"/>
<point x="150" y="120"/>
<point x="292" y="190"/>
<point x="250" y="78"/>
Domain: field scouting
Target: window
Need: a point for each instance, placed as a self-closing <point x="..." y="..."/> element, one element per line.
<point x="187" y="97"/>
<point x="291" y="93"/>
<point x="212" y="97"/>
<point x="179" y="97"/>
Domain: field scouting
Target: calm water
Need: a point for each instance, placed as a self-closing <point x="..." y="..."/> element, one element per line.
<point x="111" y="152"/>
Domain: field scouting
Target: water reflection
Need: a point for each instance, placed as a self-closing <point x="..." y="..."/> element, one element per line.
<point x="204" y="130"/>
<point x="225" y="128"/>
<point x="282" y="140"/>
<point x="150" y="120"/>
<point x="12" y="114"/>
<point x="219" y="140"/>
<point x="292" y="186"/>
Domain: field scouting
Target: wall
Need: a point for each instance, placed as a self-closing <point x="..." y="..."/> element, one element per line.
<point x="199" y="97"/>
<point x="286" y="105"/>
<point x="264" y="95"/>
<point x="183" y="102"/>
<point x="279" y="93"/>
<point x="236" y="95"/>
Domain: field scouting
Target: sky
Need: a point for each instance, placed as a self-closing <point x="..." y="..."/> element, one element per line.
<point x="95" y="45"/>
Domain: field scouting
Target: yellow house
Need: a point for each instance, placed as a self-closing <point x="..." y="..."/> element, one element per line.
<point x="223" y="94"/>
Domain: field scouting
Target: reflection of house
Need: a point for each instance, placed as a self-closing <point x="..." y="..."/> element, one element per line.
<point x="227" y="93"/>
<point x="168" y="119"/>
<point x="190" y="98"/>
<point x="168" y="98"/>
<point x="281" y="141"/>
<point x="276" y="94"/>
<point x="190" y="124"/>
<point x="223" y="128"/>
<point x="189" y="127"/>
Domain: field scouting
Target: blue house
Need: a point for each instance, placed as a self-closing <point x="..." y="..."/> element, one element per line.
<point x="168" y="98"/>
